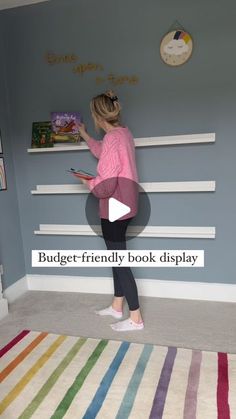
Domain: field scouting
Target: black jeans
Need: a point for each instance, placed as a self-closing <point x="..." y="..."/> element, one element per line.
<point x="124" y="282"/>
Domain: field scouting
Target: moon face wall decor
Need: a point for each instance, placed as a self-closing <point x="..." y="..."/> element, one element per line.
<point x="176" y="48"/>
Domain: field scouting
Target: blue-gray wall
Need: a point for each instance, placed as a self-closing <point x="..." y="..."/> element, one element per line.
<point x="197" y="97"/>
<point x="11" y="245"/>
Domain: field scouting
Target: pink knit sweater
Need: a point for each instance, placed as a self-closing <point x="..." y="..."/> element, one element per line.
<point x="116" y="154"/>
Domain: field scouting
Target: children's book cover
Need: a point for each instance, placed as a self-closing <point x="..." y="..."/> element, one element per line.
<point x="65" y="126"/>
<point x="42" y="134"/>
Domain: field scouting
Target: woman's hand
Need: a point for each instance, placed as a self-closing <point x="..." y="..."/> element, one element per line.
<point x="84" y="181"/>
<point x="83" y="132"/>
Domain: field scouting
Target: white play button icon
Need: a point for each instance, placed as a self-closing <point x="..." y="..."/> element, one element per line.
<point x="128" y="201"/>
<point x="117" y="209"/>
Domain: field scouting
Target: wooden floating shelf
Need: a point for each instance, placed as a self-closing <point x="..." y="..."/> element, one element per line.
<point x="195" y="186"/>
<point x="139" y="142"/>
<point x="148" y="231"/>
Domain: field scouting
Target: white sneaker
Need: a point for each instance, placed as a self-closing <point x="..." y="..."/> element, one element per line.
<point x="127" y="325"/>
<point x="110" y="311"/>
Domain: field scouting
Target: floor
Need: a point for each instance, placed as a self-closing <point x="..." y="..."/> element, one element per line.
<point x="170" y="322"/>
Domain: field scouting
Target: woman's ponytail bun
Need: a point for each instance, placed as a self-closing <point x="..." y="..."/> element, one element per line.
<point x="107" y="107"/>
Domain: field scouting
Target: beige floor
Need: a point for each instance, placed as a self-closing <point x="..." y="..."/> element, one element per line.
<point x="188" y="324"/>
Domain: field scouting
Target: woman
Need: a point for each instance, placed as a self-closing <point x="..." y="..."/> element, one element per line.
<point x="116" y="177"/>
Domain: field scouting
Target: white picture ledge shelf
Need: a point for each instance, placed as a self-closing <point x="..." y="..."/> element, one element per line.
<point x="195" y="186"/>
<point x="139" y="142"/>
<point x="148" y="231"/>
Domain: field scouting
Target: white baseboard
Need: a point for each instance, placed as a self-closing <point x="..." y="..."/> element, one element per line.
<point x="16" y="290"/>
<point x="146" y="287"/>
<point x="104" y="285"/>
<point x="3" y="301"/>
<point x="3" y="307"/>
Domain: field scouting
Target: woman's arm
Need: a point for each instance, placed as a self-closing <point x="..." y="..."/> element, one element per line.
<point x="95" y="146"/>
<point x="104" y="184"/>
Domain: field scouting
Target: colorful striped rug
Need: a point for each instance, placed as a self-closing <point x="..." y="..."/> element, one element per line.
<point x="44" y="375"/>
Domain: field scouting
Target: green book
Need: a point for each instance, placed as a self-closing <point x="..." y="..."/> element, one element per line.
<point x="42" y="134"/>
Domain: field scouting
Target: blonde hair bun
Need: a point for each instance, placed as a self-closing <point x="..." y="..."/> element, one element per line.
<point x="106" y="106"/>
<point x="111" y="94"/>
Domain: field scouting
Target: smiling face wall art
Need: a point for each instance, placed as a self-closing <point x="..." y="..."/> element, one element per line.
<point x="176" y="47"/>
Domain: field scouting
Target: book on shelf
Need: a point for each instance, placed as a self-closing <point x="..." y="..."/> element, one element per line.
<point x="65" y="127"/>
<point x="42" y="134"/>
<point x="81" y="173"/>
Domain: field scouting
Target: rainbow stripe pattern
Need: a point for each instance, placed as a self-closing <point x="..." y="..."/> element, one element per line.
<point x="44" y="375"/>
<point x="182" y="35"/>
